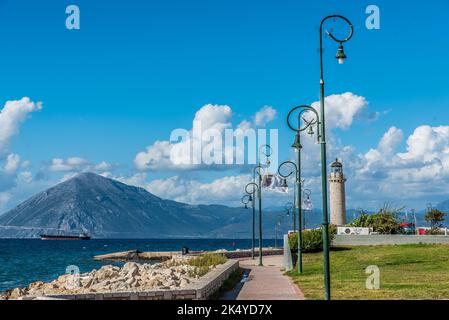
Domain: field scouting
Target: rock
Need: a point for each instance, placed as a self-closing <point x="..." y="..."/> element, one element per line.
<point x="86" y="282"/>
<point x="131" y="277"/>
<point x="17" y="293"/>
<point x="35" y="285"/>
<point x="107" y="272"/>
<point x="184" y="282"/>
<point x="128" y="267"/>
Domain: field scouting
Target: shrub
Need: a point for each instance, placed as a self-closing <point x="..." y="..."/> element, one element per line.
<point x="364" y="220"/>
<point x="204" y="262"/>
<point x="384" y="222"/>
<point x="312" y="240"/>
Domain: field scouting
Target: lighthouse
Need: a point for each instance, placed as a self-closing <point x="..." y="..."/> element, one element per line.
<point x="337" y="194"/>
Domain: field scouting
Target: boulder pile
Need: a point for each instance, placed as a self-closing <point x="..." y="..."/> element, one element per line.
<point x="131" y="277"/>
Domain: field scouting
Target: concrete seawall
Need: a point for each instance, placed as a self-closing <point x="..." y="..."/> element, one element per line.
<point x="136" y="255"/>
<point x="377" y="240"/>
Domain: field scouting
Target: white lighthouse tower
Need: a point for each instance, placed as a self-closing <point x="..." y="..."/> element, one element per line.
<point x="337" y="194"/>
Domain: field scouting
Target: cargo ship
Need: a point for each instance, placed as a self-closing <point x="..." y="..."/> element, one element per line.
<point x="81" y="236"/>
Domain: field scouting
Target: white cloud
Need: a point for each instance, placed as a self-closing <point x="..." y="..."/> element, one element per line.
<point x="12" y="115"/>
<point x="12" y="163"/>
<point x="342" y="109"/>
<point x="226" y="189"/>
<point x="71" y="164"/>
<point x="420" y="174"/>
<point x="264" y="116"/>
<point x="208" y="130"/>
<point x="427" y="144"/>
<point x="103" y="166"/>
<point x="154" y="157"/>
<point x="25" y="176"/>
<point x="77" y="164"/>
<point x="390" y="140"/>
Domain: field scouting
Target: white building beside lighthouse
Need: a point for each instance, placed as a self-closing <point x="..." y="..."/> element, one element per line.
<point x="337" y="194"/>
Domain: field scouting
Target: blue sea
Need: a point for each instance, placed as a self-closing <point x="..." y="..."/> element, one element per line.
<point x="26" y="261"/>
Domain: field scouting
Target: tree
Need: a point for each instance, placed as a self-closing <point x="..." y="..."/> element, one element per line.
<point x="435" y="217"/>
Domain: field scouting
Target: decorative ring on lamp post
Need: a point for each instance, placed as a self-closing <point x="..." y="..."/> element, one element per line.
<point x="329" y="33"/>
<point x="285" y="176"/>
<point x="246" y="199"/>
<point x="267" y="153"/>
<point x="253" y="185"/>
<point x="303" y="109"/>
<point x="288" y="207"/>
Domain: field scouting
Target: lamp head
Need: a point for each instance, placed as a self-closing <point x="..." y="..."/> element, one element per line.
<point x="341" y="56"/>
<point x="310" y="132"/>
<point x="284" y="183"/>
<point x="297" y="144"/>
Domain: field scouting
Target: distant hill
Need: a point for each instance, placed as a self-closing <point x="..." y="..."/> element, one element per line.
<point x="443" y="206"/>
<point x="106" y="208"/>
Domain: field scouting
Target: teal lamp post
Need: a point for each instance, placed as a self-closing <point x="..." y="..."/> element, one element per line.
<point x="245" y="200"/>
<point x="303" y="122"/>
<point x="341" y="56"/>
<point x="288" y="207"/>
<point x="253" y="188"/>
<point x="266" y="151"/>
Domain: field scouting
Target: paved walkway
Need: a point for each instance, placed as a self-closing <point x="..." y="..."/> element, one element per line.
<point x="267" y="282"/>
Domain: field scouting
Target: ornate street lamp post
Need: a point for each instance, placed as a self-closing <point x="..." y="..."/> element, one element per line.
<point x="288" y="208"/>
<point x="256" y="188"/>
<point x="266" y="151"/>
<point x="245" y="200"/>
<point x="341" y="56"/>
<point x="277" y="227"/>
<point x="303" y="123"/>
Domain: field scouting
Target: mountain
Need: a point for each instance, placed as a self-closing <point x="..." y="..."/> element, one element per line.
<point x="106" y="208"/>
<point x="443" y="206"/>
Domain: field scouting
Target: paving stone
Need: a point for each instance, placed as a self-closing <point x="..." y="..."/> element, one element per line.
<point x="268" y="282"/>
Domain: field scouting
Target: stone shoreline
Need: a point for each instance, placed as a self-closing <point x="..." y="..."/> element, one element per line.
<point x="132" y="277"/>
<point x="173" y="275"/>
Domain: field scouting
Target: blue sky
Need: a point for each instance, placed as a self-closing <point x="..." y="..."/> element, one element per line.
<point x="138" y="69"/>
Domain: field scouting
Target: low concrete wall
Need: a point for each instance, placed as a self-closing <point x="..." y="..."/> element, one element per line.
<point x="376" y="240"/>
<point x="201" y="289"/>
<point x="247" y="253"/>
<point x="213" y="280"/>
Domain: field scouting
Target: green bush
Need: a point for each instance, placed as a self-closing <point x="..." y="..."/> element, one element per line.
<point x="203" y="263"/>
<point x="384" y="222"/>
<point x="207" y="260"/>
<point x="312" y="240"/>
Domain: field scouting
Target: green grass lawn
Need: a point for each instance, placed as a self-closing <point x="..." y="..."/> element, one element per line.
<point x="406" y="272"/>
